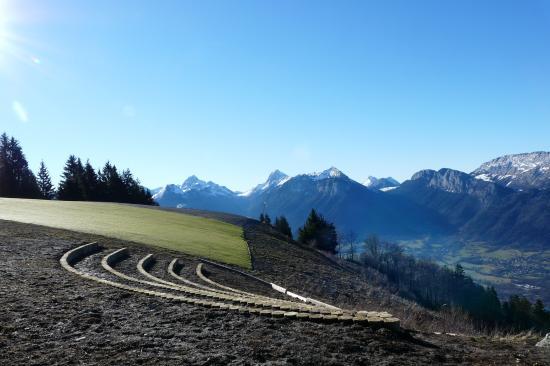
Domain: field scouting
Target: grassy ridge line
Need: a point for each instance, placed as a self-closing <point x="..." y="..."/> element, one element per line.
<point x="186" y="233"/>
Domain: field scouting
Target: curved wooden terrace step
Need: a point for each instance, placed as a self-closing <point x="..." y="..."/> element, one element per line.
<point x="172" y="272"/>
<point x="73" y="256"/>
<point x="235" y="297"/>
<point x="115" y="256"/>
<point x="201" y="275"/>
<point x="274" y="286"/>
<point x="312" y="307"/>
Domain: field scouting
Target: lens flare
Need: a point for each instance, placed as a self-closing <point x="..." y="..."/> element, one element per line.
<point x="13" y="48"/>
<point x="3" y="24"/>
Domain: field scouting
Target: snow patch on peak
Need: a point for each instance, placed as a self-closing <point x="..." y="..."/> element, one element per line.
<point x="518" y="171"/>
<point x="331" y="172"/>
<point x="193" y="183"/>
<point x="484" y="177"/>
<point x="370" y="181"/>
<point x="283" y="181"/>
<point x="169" y="188"/>
<point x="381" y="183"/>
<point x="276" y="178"/>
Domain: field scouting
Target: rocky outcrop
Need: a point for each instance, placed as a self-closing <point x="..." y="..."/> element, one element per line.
<point x="518" y="171"/>
<point x="545" y="342"/>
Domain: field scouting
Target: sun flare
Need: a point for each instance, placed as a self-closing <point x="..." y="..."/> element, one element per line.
<point x="4" y="35"/>
<point x="13" y="47"/>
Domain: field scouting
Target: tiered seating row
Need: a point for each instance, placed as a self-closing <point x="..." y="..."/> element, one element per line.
<point x="207" y="298"/>
<point x="274" y="286"/>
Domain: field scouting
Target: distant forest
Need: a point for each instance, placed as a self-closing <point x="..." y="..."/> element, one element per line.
<point x="442" y="288"/>
<point x="79" y="182"/>
<point x="424" y="281"/>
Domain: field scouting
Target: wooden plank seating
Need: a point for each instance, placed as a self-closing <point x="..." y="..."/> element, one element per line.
<point x="172" y="272"/>
<point x="206" y="279"/>
<point x="241" y="298"/>
<point x="201" y="275"/>
<point x="273" y="286"/>
<point x="146" y="262"/>
<point x="201" y="297"/>
<point x="291" y="314"/>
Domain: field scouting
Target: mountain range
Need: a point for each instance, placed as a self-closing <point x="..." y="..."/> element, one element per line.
<point x="506" y="201"/>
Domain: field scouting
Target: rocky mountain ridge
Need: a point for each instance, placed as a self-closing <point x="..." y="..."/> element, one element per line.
<point x="518" y="171"/>
<point x="443" y="202"/>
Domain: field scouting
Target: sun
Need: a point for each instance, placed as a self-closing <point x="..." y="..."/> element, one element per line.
<point x="13" y="48"/>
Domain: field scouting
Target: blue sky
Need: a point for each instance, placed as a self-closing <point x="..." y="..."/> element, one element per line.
<point x="231" y="90"/>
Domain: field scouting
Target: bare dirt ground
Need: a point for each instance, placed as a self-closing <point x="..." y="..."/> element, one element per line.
<point x="49" y="316"/>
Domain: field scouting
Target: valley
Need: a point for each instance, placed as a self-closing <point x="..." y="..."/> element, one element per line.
<point x="510" y="271"/>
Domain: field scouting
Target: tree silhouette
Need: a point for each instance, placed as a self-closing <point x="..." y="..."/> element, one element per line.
<point x="281" y="225"/>
<point x="89" y="183"/>
<point x="45" y="185"/>
<point x="16" y="179"/>
<point x="318" y="233"/>
<point x="70" y="186"/>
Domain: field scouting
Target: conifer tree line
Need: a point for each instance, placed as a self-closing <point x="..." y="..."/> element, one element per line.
<point x="317" y="232"/>
<point x="438" y="287"/>
<point x="281" y="224"/>
<point x="16" y="178"/>
<point x="79" y="182"/>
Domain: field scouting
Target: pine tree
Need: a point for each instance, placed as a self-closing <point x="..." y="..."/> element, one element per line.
<point x="45" y="183"/>
<point x="262" y="218"/>
<point x="70" y="186"/>
<point x="318" y="233"/>
<point x="267" y="219"/>
<point x="112" y="185"/>
<point x="6" y="179"/>
<point x="281" y="224"/>
<point x="16" y="179"/>
<point x="540" y="315"/>
<point x="134" y="191"/>
<point x="89" y="183"/>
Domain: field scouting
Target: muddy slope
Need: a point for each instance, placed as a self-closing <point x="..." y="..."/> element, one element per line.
<point x="51" y="317"/>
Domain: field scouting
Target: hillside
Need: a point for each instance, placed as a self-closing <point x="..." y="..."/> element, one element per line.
<point x="190" y="234"/>
<point x="106" y="325"/>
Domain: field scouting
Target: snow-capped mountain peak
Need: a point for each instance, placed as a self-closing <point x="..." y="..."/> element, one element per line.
<point x="331" y="172"/>
<point x="370" y="181"/>
<point x="193" y="183"/>
<point x="383" y="184"/>
<point x="276" y="178"/>
<point x="518" y="171"/>
<point x="169" y="188"/>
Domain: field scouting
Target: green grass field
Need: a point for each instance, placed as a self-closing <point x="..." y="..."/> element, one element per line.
<point x="189" y="234"/>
